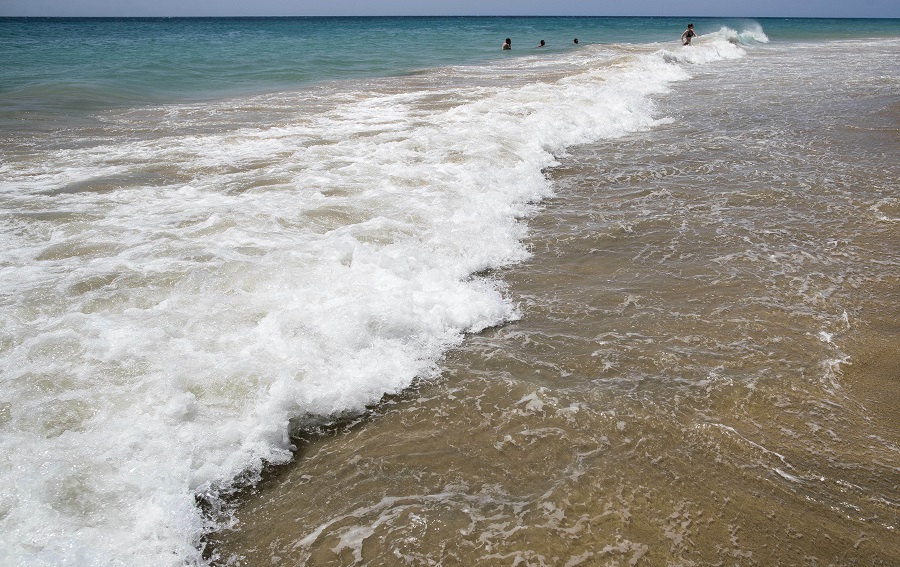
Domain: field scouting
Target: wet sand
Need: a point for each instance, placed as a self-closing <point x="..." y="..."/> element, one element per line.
<point x="705" y="372"/>
<point x="555" y="440"/>
<point x="498" y="462"/>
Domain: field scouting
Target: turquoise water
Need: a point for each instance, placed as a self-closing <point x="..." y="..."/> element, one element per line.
<point x="222" y="234"/>
<point x="86" y="64"/>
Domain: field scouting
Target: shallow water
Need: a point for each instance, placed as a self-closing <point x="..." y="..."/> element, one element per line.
<point x="705" y="318"/>
<point x="619" y="302"/>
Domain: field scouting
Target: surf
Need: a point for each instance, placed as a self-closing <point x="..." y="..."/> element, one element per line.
<point x="188" y="284"/>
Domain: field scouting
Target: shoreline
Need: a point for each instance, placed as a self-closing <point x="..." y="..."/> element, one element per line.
<point x="666" y="389"/>
<point x="662" y="398"/>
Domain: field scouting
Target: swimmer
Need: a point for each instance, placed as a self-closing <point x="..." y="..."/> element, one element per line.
<point x="507" y="44"/>
<point x="688" y="34"/>
<point x="542" y="43"/>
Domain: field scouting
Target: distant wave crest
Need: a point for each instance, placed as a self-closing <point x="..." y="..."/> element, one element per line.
<point x="751" y="34"/>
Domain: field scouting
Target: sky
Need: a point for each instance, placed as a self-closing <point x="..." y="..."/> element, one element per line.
<point x="757" y="8"/>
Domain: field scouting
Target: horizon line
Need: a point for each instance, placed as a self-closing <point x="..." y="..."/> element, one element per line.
<point x="696" y="16"/>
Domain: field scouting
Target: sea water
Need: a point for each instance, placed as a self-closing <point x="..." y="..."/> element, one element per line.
<point x="560" y="286"/>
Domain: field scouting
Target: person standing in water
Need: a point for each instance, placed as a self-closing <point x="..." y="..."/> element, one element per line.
<point x="688" y="34"/>
<point x="507" y="44"/>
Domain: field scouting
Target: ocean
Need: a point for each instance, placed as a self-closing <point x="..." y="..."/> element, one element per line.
<point x="372" y="291"/>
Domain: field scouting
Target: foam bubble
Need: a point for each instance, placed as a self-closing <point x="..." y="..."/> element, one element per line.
<point x="173" y="301"/>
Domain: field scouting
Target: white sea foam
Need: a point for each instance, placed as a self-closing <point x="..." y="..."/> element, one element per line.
<point x="159" y="337"/>
<point x="719" y="45"/>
